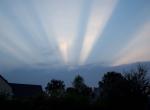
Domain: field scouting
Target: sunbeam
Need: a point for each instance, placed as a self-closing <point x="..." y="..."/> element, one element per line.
<point x="137" y="49"/>
<point x="15" y="41"/>
<point x="70" y="32"/>
<point x="65" y="27"/>
<point x="82" y="24"/>
<point x="15" y="45"/>
<point x="42" y="40"/>
<point x="100" y="14"/>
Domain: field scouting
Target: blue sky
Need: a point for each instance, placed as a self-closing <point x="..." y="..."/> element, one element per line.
<point x="53" y="33"/>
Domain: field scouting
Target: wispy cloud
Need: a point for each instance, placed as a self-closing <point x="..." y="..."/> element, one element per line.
<point x="138" y="47"/>
<point x="100" y="14"/>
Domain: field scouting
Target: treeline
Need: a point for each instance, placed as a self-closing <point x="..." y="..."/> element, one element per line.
<point x="116" y="91"/>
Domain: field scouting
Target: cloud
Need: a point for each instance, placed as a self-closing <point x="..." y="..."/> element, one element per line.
<point x="137" y="49"/>
<point x="100" y="14"/>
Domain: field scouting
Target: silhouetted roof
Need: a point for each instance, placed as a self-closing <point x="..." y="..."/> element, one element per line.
<point x="3" y="79"/>
<point x="25" y="90"/>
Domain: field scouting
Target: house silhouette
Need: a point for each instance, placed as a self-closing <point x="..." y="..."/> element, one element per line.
<point x="18" y="90"/>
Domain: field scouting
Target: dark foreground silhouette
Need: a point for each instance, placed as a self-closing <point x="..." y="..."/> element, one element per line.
<point x="116" y="91"/>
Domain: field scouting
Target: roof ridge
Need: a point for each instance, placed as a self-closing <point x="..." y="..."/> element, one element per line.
<point x="25" y="84"/>
<point x="3" y="79"/>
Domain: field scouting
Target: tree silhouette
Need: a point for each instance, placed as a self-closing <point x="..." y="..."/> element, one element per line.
<point x="139" y="86"/>
<point x="55" y="88"/>
<point x="118" y="91"/>
<point x="79" y="94"/>
<point x="78" y="83"/>
<point x="113" y="90"/>
<point x="80" y="86"/>
<point x="128" y="91"/>
<point x="138" y="79"/>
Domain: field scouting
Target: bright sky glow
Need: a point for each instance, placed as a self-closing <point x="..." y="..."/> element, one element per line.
<point x="74" y="32"/>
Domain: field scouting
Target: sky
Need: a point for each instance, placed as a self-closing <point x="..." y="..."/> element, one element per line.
<point x="54" y="33"/>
